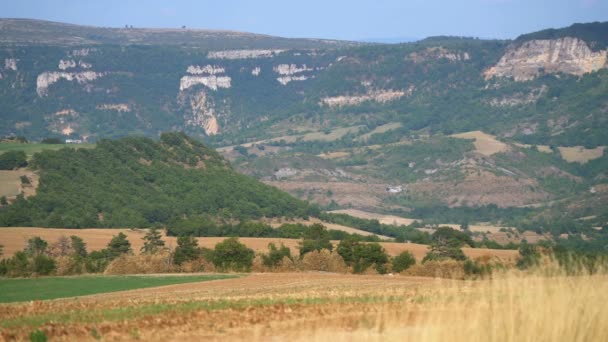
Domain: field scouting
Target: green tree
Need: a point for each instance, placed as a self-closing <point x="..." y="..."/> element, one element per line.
<point x="79" y="246"/>
<point x="25" y="180"/>
<point x="119" y="245"/>
<point x="231" y="254"/>
<point x="403" y="261"/>
<point x="275" y="255"/>
<point x="1" y="250"/>
<point x="153" y="241"/>
<point x="11" y="160"/>
<point x="36" y="246"/>
<point x="361" y="255"/>
<point x="446" y="244"/>
<point x="186" y="250"/>
<point x="43" y="265"/>
<point x="315" y="238"/>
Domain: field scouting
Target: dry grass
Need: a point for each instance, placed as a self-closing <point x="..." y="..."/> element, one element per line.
<point x="15" y="239"/>
<point x="275" y="223"/>
<point x="334" y="155"/>
<point x="380" y="129"/>
<point x="396" y="220"/>
<point x="579" y="154"/>
<point x="10" y="183"/>
<point x="329" y="307"/>
<point x="485" y="144"/>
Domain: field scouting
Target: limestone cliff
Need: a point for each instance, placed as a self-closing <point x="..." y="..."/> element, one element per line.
<point x="203" y="114"/>
<point x="566" y="55"/>
<point x="46" y="79"/>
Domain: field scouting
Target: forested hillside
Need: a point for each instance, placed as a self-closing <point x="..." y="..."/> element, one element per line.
<point x="139" y="182"/>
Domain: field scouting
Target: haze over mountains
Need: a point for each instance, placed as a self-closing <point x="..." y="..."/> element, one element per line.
<point x="339" y="122"/>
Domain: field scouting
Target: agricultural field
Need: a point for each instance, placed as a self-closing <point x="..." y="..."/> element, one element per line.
<point x="15" y="239"/>
<point x="485" y="144"/>
<point x="324" y="307"/>
<point x="27" y="289"/>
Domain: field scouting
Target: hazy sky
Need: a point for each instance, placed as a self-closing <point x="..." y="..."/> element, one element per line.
<point x="342" y="19"/>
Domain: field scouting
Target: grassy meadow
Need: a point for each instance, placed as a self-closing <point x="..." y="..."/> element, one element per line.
<point x="27" y="289"/>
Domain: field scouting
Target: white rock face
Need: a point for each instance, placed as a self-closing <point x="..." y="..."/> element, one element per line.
<point x="46" y="79"/>
<point x="119" y="107"/>
<point x="10" y="64"/>
<point x="290" y="69"/>
<point x="286" y="79"/>
<point x="85" y="65"/>
<point x="256" y="71"/>
<point x="69" y="112"/>
<point x="567" y="55"/>
<point x="81" y="52"/>
<point x="243" y="54"/>
<point x="285" y="172"/>
<point x="518" y="98"/>
<point x="207" y="69"/>
<point x="435" y="53"/>
<point x="203" y="114"/>
<point x="212" y="82"/>
<point x="70" y="63"/>
<point x="290" y="73"/>
<point x="66" y="64"/>
<point x="381" y="96"/>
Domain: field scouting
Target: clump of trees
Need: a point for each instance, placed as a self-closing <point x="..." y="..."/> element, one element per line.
<point x="11" y="160"/>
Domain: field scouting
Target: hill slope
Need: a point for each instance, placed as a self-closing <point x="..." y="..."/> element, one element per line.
<point x="340" y="124"/>
<point x="41" y="32"/>
<point x="136" y="182"/>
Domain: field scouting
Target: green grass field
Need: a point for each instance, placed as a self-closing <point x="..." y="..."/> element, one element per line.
<point x="30" y="149"/>
<point x="26" y="289"/>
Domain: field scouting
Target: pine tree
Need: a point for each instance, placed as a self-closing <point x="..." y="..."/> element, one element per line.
<point x="153" y="241"/>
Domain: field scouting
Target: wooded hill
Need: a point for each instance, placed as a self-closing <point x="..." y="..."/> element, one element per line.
<point x="139" y="182"/>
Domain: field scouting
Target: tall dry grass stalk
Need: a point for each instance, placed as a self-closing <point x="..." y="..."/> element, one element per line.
<point x="513" y="306"/>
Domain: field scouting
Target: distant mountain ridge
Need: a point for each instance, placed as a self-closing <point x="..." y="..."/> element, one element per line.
<point x="41" y="32"/>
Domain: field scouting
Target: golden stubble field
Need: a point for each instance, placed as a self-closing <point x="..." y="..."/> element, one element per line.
<point x="328" y="307"/>
<point x="15" y="239"/>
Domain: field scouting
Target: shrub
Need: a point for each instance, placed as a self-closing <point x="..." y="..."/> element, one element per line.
<point x="141" y="264"/>
<point x="403" y="261"/>
<point x="200" y="264"/>
<point x="437" y="268"/>
<point x="230" y="254"/>
<point x="43" y="265"/>
<point x="11" y="160"/>
<point x="529" y="255"/>
<point x="67" y="265"/>
<point x="325" y="261"/>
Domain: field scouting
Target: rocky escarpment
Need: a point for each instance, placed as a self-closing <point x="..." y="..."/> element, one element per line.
<point x="46" y="79"/>
<point x="566" y="55"/>
<point x="208" y="75"/>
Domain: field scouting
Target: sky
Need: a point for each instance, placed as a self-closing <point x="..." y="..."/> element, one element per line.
<point x="337" y="19"/>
